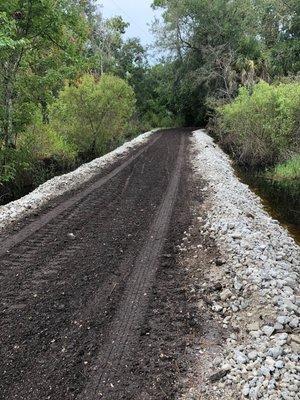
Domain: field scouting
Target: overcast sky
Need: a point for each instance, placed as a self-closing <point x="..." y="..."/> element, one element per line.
<point x="137" y="12"/>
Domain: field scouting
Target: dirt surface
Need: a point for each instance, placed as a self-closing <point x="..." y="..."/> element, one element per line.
<point x="93" y="301"/>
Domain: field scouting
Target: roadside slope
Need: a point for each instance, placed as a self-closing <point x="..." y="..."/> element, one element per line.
<point x="251" y="291"/>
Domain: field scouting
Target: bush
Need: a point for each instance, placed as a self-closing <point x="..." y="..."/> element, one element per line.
<point x="42" y="143"/>
<point x="93" y="114"/>
<point x="39" y="155"/>
<point x="262" y="126"/>
<point x="12" y="161"/>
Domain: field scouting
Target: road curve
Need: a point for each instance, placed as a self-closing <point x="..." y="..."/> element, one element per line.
<point x="76" y="280"/>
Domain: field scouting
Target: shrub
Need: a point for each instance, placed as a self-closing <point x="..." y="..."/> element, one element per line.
<point x="93" y="114"/>
<point x="39" y="155"/>
<point x="262" y="126"/>
<point x="12" y="161"/>
<point x="42" y="143"/>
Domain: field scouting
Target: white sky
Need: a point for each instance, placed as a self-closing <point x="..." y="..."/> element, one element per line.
<point x="137" y="12"/>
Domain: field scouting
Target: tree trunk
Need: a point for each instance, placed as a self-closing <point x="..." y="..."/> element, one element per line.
<point x="44" y="108"/>
<point x="9" y="139"/>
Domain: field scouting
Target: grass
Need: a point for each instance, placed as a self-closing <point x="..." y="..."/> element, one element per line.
<point x="290" y="170"/>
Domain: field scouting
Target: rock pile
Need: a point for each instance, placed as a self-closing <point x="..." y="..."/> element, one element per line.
<point x="260" y="298"/>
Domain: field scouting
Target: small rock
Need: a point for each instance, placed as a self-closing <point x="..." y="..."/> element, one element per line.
<point x="226" y="294"/>
<point x="279" y="364"/>
<point x="218" y="375"/>
<point x="236" y="235"/>
<point x="217" y="307"/>
<point x="252" y="355"/>
<point x="268" y="330"/>
<point x="215" y="288"/>
<point x="275" y="352"/>
<point x="282" y="336"/>
<point x="295" y="347"/>
<point x="254" y="326"/>
<point x="295" y="338"/>
<point x="264" y="371"/>
<point x="240" y="357"/>
<point x="71" y="235"/>
<point x="294" y="322"/>
<point x="289" y="305"/>
<point x="237" y="285"/>
<point x="278" y="327"/>
<point x="294" y="341"/>
<point x="226" y="367"/>
<point x="246" y="390"/>
<point x="249" y="215"/>
<point x="220" y="261"/>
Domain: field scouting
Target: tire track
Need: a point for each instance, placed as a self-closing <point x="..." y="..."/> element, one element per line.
<point x="62" y="298"/>
<point x="115" y="353"/>
<point x="45" y="219"/>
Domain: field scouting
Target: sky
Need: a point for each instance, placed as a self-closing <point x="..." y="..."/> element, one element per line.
<point x="137" y="12"/>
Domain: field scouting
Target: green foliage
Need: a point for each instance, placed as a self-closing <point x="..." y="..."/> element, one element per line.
<point x="92" y="115"/>
<point x="36" y="38"/>
<point x="214" y="46"/>
<point x="42" y="143"/>
<point x="155" y="98"/>
<point x="262" y="125"/>
<point x="7" y="26"/>
<point x="287" y="171"/>
<point x="12" y="162"/>
<point x="43" y="45"/>
<point x="38" y="146"/>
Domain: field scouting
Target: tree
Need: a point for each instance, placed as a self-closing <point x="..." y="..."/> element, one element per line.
<point x="93" y="113"/>
<point x="218" y="45"/>
<point x="31" y="30"/>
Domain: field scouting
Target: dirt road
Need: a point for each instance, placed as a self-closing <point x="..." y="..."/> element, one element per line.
<point x="92" y="302"/>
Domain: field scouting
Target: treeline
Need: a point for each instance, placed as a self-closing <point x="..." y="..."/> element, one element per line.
<point x="234" y="66"/>
<point x="71" y="88"/>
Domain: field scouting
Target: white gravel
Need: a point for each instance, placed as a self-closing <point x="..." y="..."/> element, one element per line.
<point x="59" y="185"/>
<point x="261" y="276"/>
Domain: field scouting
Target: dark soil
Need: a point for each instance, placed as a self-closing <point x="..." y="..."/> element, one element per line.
<point x="93" y="303"/>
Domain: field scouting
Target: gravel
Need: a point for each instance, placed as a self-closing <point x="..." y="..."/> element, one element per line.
<point x="260" y="284"/>
<point x="60" y="185"/>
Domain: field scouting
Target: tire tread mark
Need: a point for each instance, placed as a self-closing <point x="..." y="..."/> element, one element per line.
<point x="135" y="297"/>
<point x="46" y="218"/>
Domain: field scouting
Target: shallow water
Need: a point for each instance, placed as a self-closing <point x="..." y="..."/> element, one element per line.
<point x="277" y="202"/>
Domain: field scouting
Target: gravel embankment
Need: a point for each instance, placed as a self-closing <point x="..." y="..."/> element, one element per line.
<point x="260" y="295"/>
<point x="60" y="185"/>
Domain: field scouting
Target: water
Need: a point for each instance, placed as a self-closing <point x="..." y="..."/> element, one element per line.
<point x="281" y="204"/>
